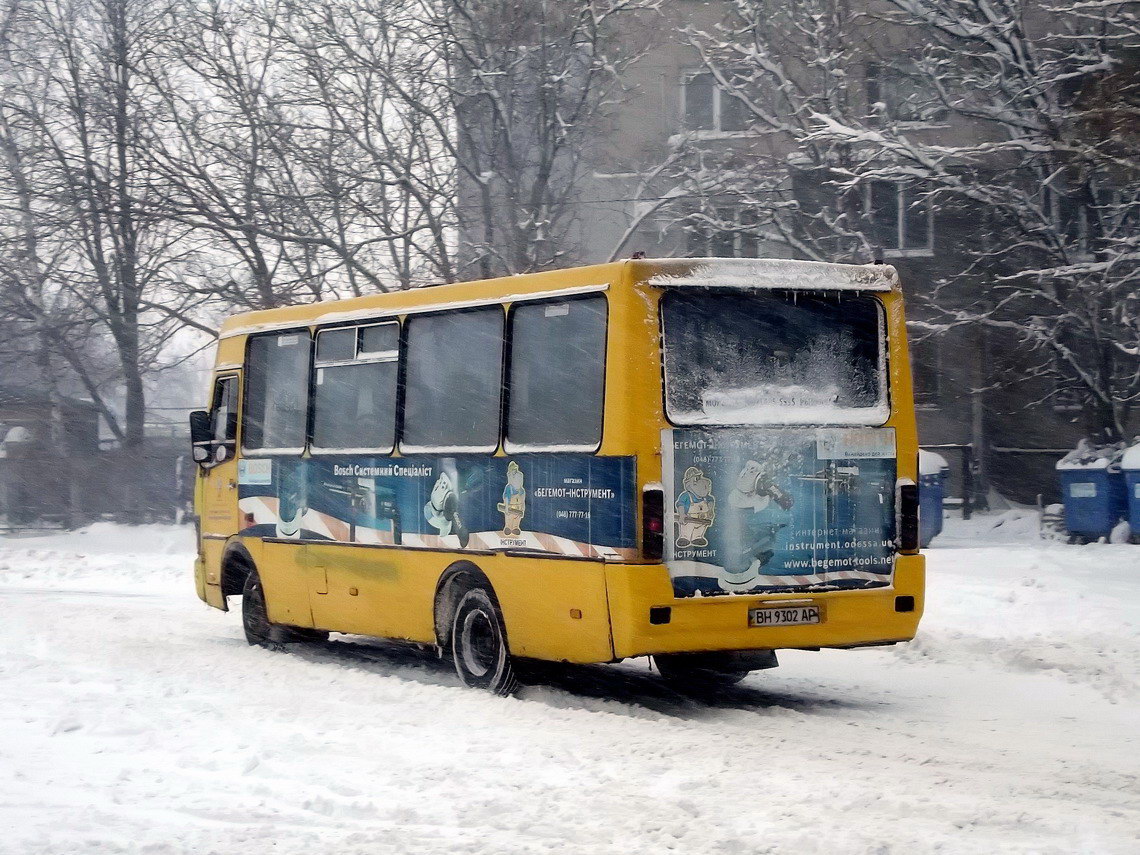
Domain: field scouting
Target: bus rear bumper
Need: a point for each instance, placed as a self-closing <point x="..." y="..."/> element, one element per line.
<point x="849" y="618"/>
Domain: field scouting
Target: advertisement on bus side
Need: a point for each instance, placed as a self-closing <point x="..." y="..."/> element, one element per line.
<point x="576" y="505"/>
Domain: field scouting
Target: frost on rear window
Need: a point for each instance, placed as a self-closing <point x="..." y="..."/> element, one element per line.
<point x="773" y="357"/>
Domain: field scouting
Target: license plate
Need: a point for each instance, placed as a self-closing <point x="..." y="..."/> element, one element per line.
<point x="783" y="615"/>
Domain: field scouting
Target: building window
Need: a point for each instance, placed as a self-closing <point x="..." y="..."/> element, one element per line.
<point x="277" y="392"/>
<point x="903" y="95"/>
<point x="708" y="107"/>
<point x="723" y="233"/>
<point x="902" y="220"/>
<point x="926" y="372"/>
<point x="454" y="367"/>
<point x="557" y="375"/>
<point x="354" y="392"/>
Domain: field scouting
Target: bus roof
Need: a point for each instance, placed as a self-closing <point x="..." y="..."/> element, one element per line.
<point x="666" y="272"/>
<point x="782" y="273"/>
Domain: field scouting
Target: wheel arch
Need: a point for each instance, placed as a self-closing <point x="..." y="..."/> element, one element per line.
<point x="237" y="564"/>
<point x="453" y="582"/>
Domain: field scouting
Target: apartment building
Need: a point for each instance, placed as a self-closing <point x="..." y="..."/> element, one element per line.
<point x="682" y="169"/>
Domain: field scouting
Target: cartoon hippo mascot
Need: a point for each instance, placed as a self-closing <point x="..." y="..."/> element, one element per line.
<point x="513" y="506"/>
<point x="696" y="509"/>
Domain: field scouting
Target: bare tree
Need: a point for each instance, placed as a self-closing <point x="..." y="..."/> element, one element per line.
<point x="92" y="254"/>
<point x="779" y="68"/>
<point x="1038" y="99"/>
<point x="303" y="142"/>
<point x="528" y="90"/>
<point x="375" y="126"/>
<point x="218" y="150"/>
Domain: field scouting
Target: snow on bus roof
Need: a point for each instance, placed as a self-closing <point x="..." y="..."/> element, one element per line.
<point x="772" y="273"/>
<point x="381" y="313"/>
<point x="665" y="272"/>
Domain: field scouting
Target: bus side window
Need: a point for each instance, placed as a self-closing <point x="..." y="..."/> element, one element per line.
<point x="557" y="374"/>
<point x="277" y="392"/>
<point x="453" y="369"/>
<point x="354" y="396"/>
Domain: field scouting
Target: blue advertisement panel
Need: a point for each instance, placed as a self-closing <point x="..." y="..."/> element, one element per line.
<point x="570" y="504"/>
<point x="756" y="510"/>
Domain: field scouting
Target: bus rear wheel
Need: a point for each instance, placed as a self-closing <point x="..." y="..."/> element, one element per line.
<point x="479" y="644"/>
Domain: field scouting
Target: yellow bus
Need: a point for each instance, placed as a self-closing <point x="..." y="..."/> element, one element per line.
<point x="699" y="460"/>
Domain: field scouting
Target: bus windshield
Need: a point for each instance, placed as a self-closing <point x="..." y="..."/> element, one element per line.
<point x="773" y="357"/>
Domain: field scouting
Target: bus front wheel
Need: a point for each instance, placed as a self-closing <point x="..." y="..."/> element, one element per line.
<point x="479" y="644"/>
<point x="255" y="619"/>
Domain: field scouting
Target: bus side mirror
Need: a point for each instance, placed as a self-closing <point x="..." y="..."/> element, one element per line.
<point x="201" y="437"/>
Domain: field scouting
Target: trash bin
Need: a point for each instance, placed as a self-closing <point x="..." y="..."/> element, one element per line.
<point x="1130" y="466"/>
<point x="1094" y="492"/>
<point x="932" y="474"/>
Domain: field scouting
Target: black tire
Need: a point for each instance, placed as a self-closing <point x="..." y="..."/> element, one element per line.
<point x="254" y="616"/>
<point x="258" y="628"/>
<point x="479" y="643"/>
<point x="697" y="672"/>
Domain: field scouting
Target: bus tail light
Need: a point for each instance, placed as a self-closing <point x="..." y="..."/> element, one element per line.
<point x="653" y="523"/>
<point x="906" y="511"/>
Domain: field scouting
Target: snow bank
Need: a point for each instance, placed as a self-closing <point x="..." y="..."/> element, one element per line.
<point x="1016" y="526"/>
<point x="103" y="555"/>
<point x="998" y="593"/>
<point x="110" y="538"/>
<point x="134" y="724"/>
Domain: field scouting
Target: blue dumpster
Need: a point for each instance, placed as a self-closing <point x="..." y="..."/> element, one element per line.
<point x="1130" y="465"/>
<point x="1094" y="492"/>
<point x="932" y="474"/>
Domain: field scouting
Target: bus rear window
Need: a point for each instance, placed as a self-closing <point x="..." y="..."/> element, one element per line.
<point x="773" y="357"/>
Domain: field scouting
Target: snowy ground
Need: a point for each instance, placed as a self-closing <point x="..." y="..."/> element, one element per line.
<point x="133" y="719"/>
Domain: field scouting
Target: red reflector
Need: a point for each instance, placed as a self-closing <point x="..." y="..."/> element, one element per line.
<point x="652" y="524"/>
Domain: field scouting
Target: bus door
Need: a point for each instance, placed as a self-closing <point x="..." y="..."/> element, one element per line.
<point x="218" y="482"/>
